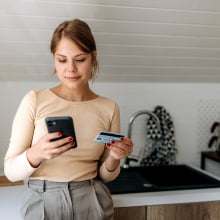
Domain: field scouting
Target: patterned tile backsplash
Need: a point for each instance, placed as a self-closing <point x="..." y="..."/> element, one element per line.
<point x="208" y="112"/>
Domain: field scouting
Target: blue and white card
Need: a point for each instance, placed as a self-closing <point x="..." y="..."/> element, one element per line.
<point x="108" y="137"/>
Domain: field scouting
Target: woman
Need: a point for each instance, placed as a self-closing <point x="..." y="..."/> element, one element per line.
<point x="66" y="182"/>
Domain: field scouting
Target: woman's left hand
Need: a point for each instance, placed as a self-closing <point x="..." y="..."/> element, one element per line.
<point x="120" y="149"/>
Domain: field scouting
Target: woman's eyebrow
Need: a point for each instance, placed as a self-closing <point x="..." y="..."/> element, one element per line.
<point x="81" y="54"/>
<point x="74" y="56"/>
<point x="57" y="54"/>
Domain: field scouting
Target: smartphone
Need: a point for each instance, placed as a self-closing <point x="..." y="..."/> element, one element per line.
<point x="62" y="124"/>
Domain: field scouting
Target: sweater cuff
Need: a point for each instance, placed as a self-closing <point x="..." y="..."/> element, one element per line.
<point x="108" y="176"/>
<point x="19" y="168"/>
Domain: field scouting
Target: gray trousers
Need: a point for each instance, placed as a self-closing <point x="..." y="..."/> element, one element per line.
<point x="86" y="200"/>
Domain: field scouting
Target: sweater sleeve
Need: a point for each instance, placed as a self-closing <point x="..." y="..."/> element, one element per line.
<point x="104" y="174"/>
<point x="16" y="164"/>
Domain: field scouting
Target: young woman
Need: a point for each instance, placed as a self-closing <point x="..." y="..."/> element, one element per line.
<point x="65" y="182"/>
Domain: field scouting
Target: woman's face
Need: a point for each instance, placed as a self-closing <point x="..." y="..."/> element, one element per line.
<point x="73" y="66"/>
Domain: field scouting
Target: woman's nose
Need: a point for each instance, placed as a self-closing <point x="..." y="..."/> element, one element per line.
<point x="71" y="66"/>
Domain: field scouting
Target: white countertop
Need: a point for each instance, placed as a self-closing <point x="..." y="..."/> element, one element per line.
<point x="11" y="196"/>
<point x="166" y="197"/>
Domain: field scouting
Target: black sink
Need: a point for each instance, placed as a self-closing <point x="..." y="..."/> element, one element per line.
<point x="161" y="178"/>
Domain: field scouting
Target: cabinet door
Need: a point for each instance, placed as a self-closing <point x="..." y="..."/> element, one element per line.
<point x="130" y="213"/>
<point x="212" y="167"/>
<point x="189" y="211"/>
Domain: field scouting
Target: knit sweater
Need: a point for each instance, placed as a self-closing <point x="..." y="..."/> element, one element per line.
<point x="81" y="163"/>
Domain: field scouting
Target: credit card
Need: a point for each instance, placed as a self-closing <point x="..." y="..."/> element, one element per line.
<point x="108" y="137"/>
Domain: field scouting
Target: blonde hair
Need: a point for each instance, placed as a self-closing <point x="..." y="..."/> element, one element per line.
<point x="79" y="32"/>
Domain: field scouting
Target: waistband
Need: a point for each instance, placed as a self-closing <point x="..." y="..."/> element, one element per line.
<point x="45" y="185"/>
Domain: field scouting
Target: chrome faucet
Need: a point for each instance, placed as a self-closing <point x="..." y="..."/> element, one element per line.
<point x="130" y="124"/>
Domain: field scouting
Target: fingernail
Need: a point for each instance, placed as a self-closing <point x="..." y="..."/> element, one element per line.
<point x="113" y="142"/>
<point x="70" y="138"/>
<point x="108" y="145"/>
<point x="60" y="134"/>
<point x="122" y="138"/>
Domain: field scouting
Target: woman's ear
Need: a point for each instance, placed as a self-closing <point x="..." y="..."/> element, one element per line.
<point x="94" y="57"/>
<point x="95" y="65"/>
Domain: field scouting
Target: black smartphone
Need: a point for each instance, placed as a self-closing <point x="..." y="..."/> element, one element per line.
<point x="62" y="124"/>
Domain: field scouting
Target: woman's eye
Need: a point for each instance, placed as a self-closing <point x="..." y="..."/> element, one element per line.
<point x="80" y="60"/>
<point x="62" y="61"/>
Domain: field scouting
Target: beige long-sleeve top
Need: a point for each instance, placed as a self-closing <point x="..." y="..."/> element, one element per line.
<point x="82" y="163"/>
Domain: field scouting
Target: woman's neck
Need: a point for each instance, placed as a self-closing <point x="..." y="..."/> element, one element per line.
<point x="75" y="95"/>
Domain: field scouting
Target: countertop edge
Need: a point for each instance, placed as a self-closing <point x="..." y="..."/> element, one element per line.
<point x="166" y="197"/>
<point x="141" y="199"/>
<point x="5" y="182"/>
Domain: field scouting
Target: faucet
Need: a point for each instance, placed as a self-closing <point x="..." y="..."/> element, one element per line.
<point x="130" y="124"/>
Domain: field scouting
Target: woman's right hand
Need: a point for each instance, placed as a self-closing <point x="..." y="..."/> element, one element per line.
<point x="46" y="149"/>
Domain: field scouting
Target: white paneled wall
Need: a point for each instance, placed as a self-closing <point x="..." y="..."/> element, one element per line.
<point x="182" y="101"/>
<point x="142" y="40"/>
<point x="138" y="41"/>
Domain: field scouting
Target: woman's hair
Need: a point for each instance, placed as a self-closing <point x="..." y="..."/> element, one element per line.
<point x="79" y="32"/>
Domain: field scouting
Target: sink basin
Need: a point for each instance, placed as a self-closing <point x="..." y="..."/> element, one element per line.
<point x="161" y="178"/>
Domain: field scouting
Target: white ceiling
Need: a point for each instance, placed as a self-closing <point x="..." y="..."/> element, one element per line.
<point x="141" y="40"/>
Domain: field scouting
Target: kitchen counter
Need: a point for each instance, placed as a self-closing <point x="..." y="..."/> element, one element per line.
<point x="169" y="197"/>
<point x="11" y="197"/>
<point x="5" y="182"/>
<point x="166" y="197"/>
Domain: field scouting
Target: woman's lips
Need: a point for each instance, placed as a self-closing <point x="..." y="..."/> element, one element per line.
<point x="73" y="78"/>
